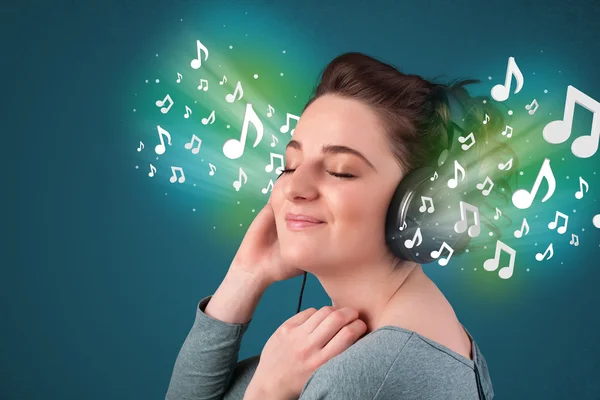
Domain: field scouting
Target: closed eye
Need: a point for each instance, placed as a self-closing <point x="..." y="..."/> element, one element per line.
<point x="337" y="175"/>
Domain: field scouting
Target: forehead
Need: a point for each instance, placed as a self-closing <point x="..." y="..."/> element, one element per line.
<point x="336" y="120"/>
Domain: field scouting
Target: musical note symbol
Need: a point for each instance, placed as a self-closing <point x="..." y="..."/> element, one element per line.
<point x="523" y="199"/>
<point x="410" y="243"/>
<point x="506" y="166"/>
<point x="188" y="112"/>
<point x="285" y="128"/>
<point x="269" y="186"/>
<point x="500" y="92"/>
<point x="179" y="77"/>
<point x="470" y="136"/>
<point x="403" y="227"/>
<point x="269" y="167"/>
<point x="223" y="80"/>
<point x="579" y="193"/>
<point x="160" y="148"/>
<point x="508" y="131"/>
<point x="461" y="226"/>
<point x="436" y="253"/>
<point x="201" y="85"/>
<point x="492" y="263"/>
<point x="210" y="119"/>
<point x="535" y="106"/>
<point x="197" y="62"/>
<point x="141" y="146"/>
<point x="558" y="131"/>
<point x="498" y="214"/>
<point x="161" y="103"/>
<point x="190" y="144"/>
<point x="434" y="177"/>
<point x="212" y="169"/>
<point x="596" y="221"/>
<point x="270" y="111"/>
<point x="238" y="90"/>
<point x="174" y="177"/>
<point x="275" y="141"/>
<point x="423" y="207"/>
<point x="574" y="239"/>
<point x="486" y="120"/>
<point x="152" y="171"/>
<point x="234" y="148"/>
<point x="480" y="186"/>
<point x="540" y="256"/>
<point x="524" y="226"/>
<point x="554" y="224"/>
<point x="453" y="182"/>
<point x="238" y="184"/>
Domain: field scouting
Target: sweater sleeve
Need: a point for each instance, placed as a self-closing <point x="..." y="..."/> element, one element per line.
<point x="206" y="363"/>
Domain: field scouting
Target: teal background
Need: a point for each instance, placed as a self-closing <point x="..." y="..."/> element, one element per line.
<point x="103" y="266"/>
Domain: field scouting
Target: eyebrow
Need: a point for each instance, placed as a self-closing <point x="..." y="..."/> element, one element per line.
<point x="333" y="149"/>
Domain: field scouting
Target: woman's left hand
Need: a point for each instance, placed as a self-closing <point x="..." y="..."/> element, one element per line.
<point x="301" y="345"/>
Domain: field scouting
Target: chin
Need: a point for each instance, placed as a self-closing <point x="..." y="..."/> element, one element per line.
<point x="302" y="255"/>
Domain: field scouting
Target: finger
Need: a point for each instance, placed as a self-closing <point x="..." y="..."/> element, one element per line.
<point x="317" y="318"/>
<point x="331" y="325"/>
<point x="300" y="318"/>
<point x="347" y="336"/>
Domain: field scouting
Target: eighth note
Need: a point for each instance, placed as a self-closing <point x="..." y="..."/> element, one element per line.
<point x="487" y="119"/>
<point x="234" y="148"/>
<point x="141" y="146"/>
<point x="540" y="256"/>
<point x="238" y="90"/>
<point x="270" y="111"/>
<point x="554" y="224"/>
<point x="574" y="239"/>
<point x="508" y="131"/>
<point x="160" y="148"/>
<point x="434" y="177"/>
<point x="579" y="193"/>
<point x="461" y="225"/>
<point x="270" y="166"/>
<point x="453" y="182"/>
<point x="210" y="119"/>
<point x="179" y="77"/>
<point x="470" y="136"/>
<point x="201" y="85"/>
<point x="506" y="166"/>
<point x="191" y="144"/>
<point x="524" y="226"/>
<point x="161" y="103"/>
<point x="269" y="186"/>
<point x="223" y="80"/>
<point x="285" y="128"/>
<point x="492" y="263"/>
<point x="275" y="141"/>
<point x="533" y="105"/>
<point x="500" y="92"/>
<point x="423" y="207"/>
<point x="212" y="169"/>
<point x="174" y="177"/>
<point x="523" y="199"/>
<point x="188" y="112"/>
<point x="152" y="171"/>
<point x="197" y="62"/>
<point x="481" y="186"/>
<point x="498" y="214"/>
<point x="238" y="184"/>
<point x="410" y="243"/>
<point x="436" y="253"/>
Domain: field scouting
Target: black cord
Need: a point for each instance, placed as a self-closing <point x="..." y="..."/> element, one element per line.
<point x="301" y="292"/>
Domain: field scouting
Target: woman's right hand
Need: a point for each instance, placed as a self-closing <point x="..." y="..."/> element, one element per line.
<point x="259" y="252"/>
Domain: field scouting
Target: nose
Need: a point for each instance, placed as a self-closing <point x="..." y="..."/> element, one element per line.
<point x="300" y="185"/>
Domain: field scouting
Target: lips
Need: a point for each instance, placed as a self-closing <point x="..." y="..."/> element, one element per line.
<point x="301" y="217"/>
<point x="298" y="222"/>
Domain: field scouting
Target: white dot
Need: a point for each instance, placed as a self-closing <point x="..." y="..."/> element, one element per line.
<point x="534" y="73"/>
<point x="134" y="110"/>
<point x="510" y="112"/>
<point x="137" y="167"/>
<point x="485" y="247"/>
<point x="545" y="90"/>
<point x="194" y="184"/>
<point x="535" y="244"/>
<point x="521" y="173"/>
<point x="489" y="78"/>
<point x="527" y="140"/>
<point x="567" y="177"/>
<point x="466" y="250"/>
<point x="253" y="210"/>
<point x="157" y="157"/>
<point x="228" y="126"/>
<point x="165" y="194"/>
<point x="157" y="55"/>
<point x="563" y="159"/>
<point x="527" y="269"/>
<point x="574" y="210"/>
<point x="214" y="227"/>
<point x="193" y="209"/>
<point x="181" y="20"/>
<point x="582" y="229"/>
<point x="283" y="52"/>
<point x="255" y="76"/>
<point x="240" y="224"/>
<point x="559" y="72"/>
<point x="462" y="269"/>
<point x="536" y="216"/>
<point x="448" y="206"/>
<point x="146" y="80"/>
<point x="596" y="221"/>
<point x="158" y="81"/>
<point x="230" y="46"/>
<point x="491" y="234"/>
<point x="485" y="101"/>
<point x="561" y="263"/>
<point x="238" y="202"/>
<point x="202" y="159"/>
<point x="436" y="224"/>
<point x="474" y="269"/>
<point x="281" y="73"/>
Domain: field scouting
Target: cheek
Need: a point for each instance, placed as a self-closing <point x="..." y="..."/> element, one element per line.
<point x="364" y="207"/>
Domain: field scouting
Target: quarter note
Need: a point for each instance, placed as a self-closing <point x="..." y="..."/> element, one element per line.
<point x="221" y="82"/>
<point x="270" y="111"/>
<point x="210" y="119"/>
<point x="160" y="148"/>
<point x="203" y="85"/>
<point x="506" y="166"/>
<point x="524" y="226"/>
<point x="197" y="62"/>
<point x="418" y="237"/>
<point x="434" y="177"/>
<point x="161" y="103"/>
<point x="508" y="131"/>
<point x="188" y="112"/>
<point x="498" y="214"/>
<point x="481" y="186"/>
<point x="270" y="166"/>
<point x="174" y="177"/>
<point x="500" y="92"/>
<point x="574" y="240"/>
<point x="486" y="119"/>
<point x="179" y="76"/>
<point x="285" y="128"/>
<point x="269" y="186"/>
<point x="191" y="144"/>
<point x="436" y="253"/>
<point x="461" y="225"/>
<point x="238" y="184"/>
<point x="554" y="224"/>
<point x="493" y="263"/>
<point x="275" y="141"/>
<point x="234" y="148"/>
<point x="212" y="169"/>
<point x="141" y="146"/>
<point x="532" y="107"/>
<point x="471" y="137"/>
<point x="550" y="250"/>
<point x="403" y="227"/>
<point x="523" y="199"/>
<point x="559" y="131"/>
<point x="237" y="91"/>
<point x="423" y="207"/>
<point x="152" y="171"/>
<point x="579" y="193"/>
<point x="453" y="182"/>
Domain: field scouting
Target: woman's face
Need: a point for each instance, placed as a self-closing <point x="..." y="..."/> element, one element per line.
<point x="343" y="174"/>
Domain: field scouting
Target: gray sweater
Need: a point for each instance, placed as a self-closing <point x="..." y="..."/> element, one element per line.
<point x="388" y="363"/>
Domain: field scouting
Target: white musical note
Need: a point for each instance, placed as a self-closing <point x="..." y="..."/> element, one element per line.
<point x="579" y="193"/>
<point x="285" y="128"/>
<point x="559" y="131"/>
<point x="486" y="120"/>
<point x="532" y="107"/>
<point x="471" y="137"/>
<point x="160" y="148"/>
<point x="500" y="92"/>
<point x="201" y="85"/>
<point x="275" y="141"/>
<point x="481" y="186"/>
<point x="179" y="76"/>
<point x="238" y="91"/>
<point x="524" y="226"/>
<point x="238" y="184"/>
<point x="540" y="256"/>
<point x="141" y="146"/>
<point x="174" y="177"/>
<point x="197" y="62"/>
<point x="152" y="171"/>
<point x="191" y="143"/>
<point x="498" y="214"/>
<point x="161" y="103"/>
<point x="461" y="226"/>
<point x="269" y="187"/>
<point x="508" y="131"/>
<point x="212" y="169"/>
<point x="436" y="253"/>
<point x="554" y="224"/>
<point x="523" y="199"/>
<point x="403" y="227"/>
<point x="270" y="166"/>
<point x="423" y="207"/>
<point x="506" y="166"/>
<point x="492" y="263"/>
<point x="574" y="240"/>
<point x="434" y="177"/>
<point x="418" y="237"/>
<point x="188" y="112"/>
<point x="270" y="111"/>
<point x="453" y="182"/>
<point x="210" y="119"/>
<point x="234" y="148"/>
<point x="221" y="82"/>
